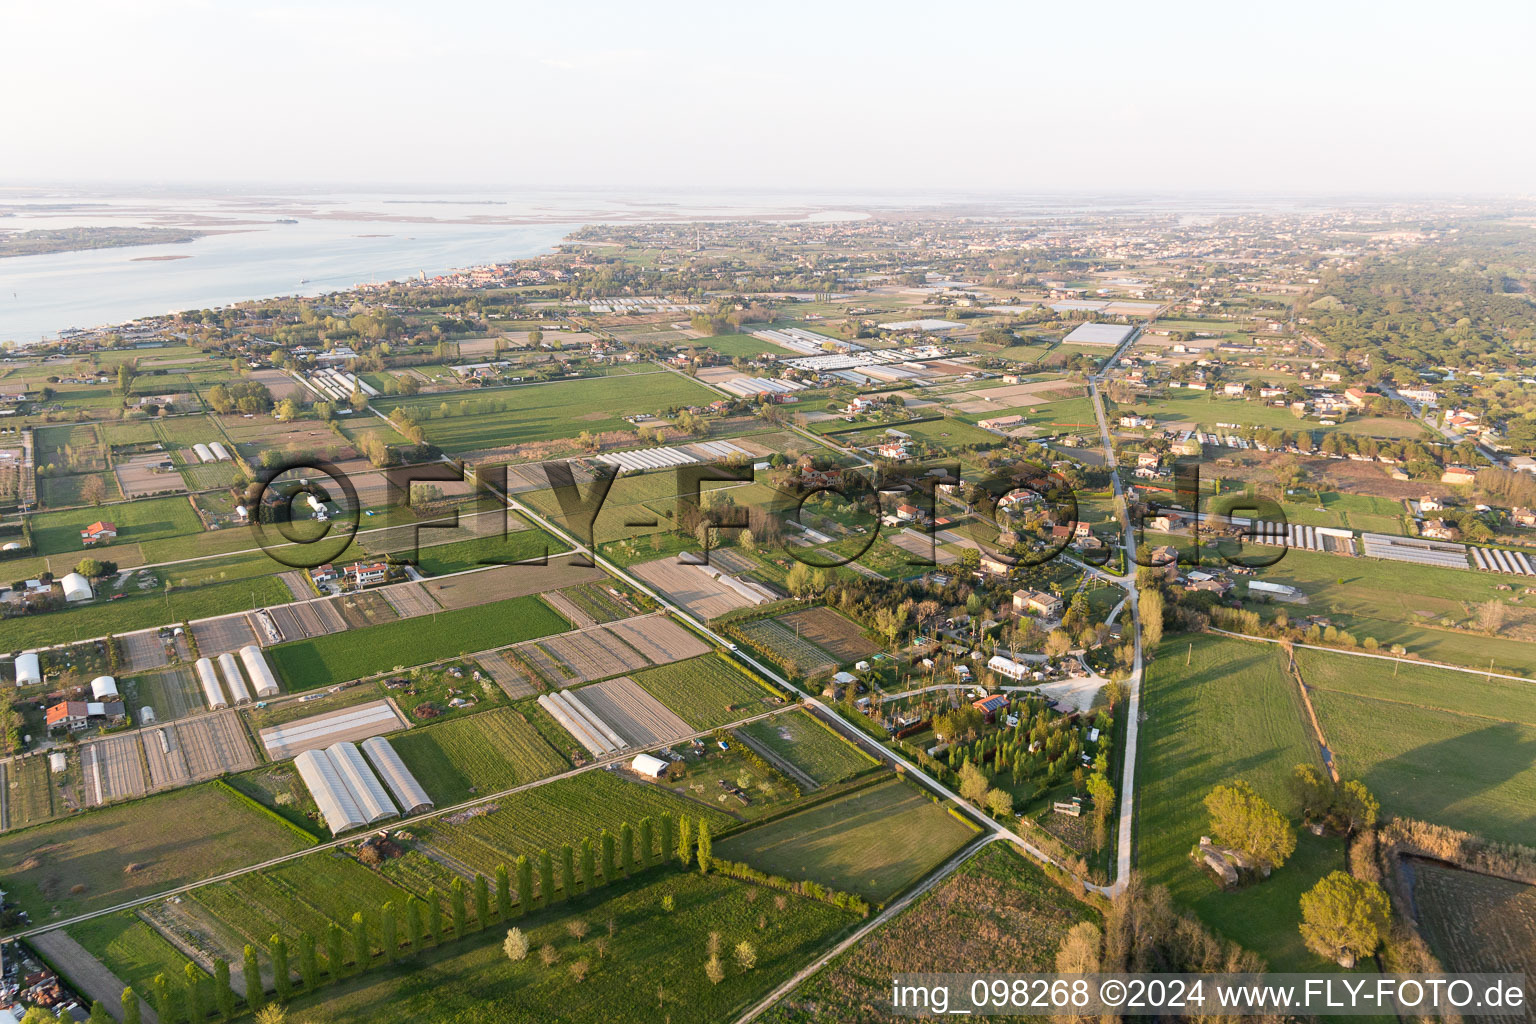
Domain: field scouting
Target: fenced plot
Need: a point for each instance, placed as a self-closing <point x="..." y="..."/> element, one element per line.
<point x="225" y="633"/>
<point x="839" y="637"/>
<point x="113" y="769"/>
<point x="409" y="600"/>
<point x="641" y="719"/>
<point x="138" y="475"/>
<point x="143" y="650"/>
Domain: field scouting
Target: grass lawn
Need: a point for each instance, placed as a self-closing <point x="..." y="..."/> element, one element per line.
<point x="875" y="842"/>
<point x="650" y="951"/>
<point x="321" y="661"/>
<point x="544" y="412"/>
<point x="141" y="611"/>
<point x="130" y="850"/>
<point x="149" y="519"/>
<point x="483" y="753"/>
<point x="133" y="951"/>
<point x="1232" y="713"/>
<point x="1446" y="747"/>
<point x="516" y="546"/>
<point x="733" y="345"/>
<point x="705" y="692"/>
<point x="1400" y="603"/>
<point x="998" y="908"/>
<point x="810" y="746"/>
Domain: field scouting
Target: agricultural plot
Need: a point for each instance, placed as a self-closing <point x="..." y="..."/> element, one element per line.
<point x="647" y="953"/>
<point x="875" y="842"/>
<point x="408" y="600"/>
<point x="1448" y="747"/>
<point x="514" y="679"/>
<point x="549" y="816"/>
<point x="151" y="519"/>
<point x="705" y="692"/>
<point x="602" y="651"/>
<point x="133" y="850"/>
<point x="571" y="610"/>
<point x="1232" y="712"/>
<point x="133" y="950"/>
<point x="308" y="895"/>
<point x="143" y="650"/>
<point x="112" y="768"/>
<point x="484" y="753"/>
<point x="521" y="415"/>
<point x="800" y="655"/>
<point x="508" y="581"/>
<point x="140" y="475"/>
<point x="358" y="653"/>
<point x="810" y="746"/>
<point x="30" y="793"/>
<point x="171" y="692"/>
<point x="639" y="718"/>
<point x="998" y="909"/>
<point x="302" y="619"/>
<point x="1476" y="922"/>
<point x="705" y="592"/>
<point x="198" y="748"/>
<point x="225" y="633"/>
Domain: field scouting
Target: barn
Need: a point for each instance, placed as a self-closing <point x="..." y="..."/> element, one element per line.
<point x="76" y="587"/>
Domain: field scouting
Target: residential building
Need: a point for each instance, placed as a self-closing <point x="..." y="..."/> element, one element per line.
<point x="97" y="532"/>
<point x="1038" y="602"/>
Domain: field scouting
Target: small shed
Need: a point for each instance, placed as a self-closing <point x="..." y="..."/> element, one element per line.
<point x="76" y="587"/>
<point x="58" y="762"/>
<point x="29" y="670"/>
<point x="104" y="688"/>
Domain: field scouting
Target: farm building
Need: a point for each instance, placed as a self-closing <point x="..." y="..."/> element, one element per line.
<point x="29" y="670"/>
<point x="104" y="688"/>
<point x="367" y="792"/>
<point x="262" y="679"/>
<point x="408" y="792"/>
<point x="77" y="714"/>
<point x="1098" y="334"/>
<point x="219" y="451"/>
<point x="990" y="706"/>
<point x="209" y="681"/>
<point x="232" y="680"/>
<point x="204" y="453"/>
<point x="97" y="532"/>
<point x="331" y="794"/>
<point x="76" y="588"/>
<point x="649" y="766"/>
<point x="1008" y="667"/>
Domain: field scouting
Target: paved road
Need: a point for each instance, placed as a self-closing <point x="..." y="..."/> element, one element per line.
<point x="88" y="974"/>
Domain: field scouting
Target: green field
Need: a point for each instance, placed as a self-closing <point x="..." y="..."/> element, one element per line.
<point x="733" y="345"/>
<point x="544" y="412"/>
<point x="1233" y="712"/>
<point x="303" y="895"/>
<point x="650" y="951"/>
<point x="1401" y="603"/>
<point x="134" y="849"/>
<point x="549" y="816"/>
<point x="483" y="753"/>
<point x="705" y="692"/>
<point x="810" y="746"/>
<point x="516" y="546"/>
<point x="875" y="842"/>
<point x="321" y="661"/>
<point x="997" y="909"/>
<point x="149" y="519"/>
<point x="133" y="950"/>
<point x="1447" y="747"/>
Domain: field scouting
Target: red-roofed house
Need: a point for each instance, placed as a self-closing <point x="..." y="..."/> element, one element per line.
<point x="97" y="532"/>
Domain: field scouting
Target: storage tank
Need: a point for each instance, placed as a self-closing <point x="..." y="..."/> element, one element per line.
<point x="210" y="684"/>
<point x="233" y="683"/>
<point x="29" y="670"/>
<point x="76" y="587"/>
<point x="219" y="451"/>
<point x="104" y="688"/>
<point x="203" y="452"/>
<point x="262" y="680"/>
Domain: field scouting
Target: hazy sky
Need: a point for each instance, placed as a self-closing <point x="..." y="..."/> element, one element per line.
<point x="1336" y="96"/>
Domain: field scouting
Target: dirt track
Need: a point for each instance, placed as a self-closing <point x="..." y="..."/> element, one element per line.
<point x="90" y="975"/>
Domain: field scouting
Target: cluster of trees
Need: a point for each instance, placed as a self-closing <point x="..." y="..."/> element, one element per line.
<point x="244" y="396"/>
<point x="1245" y="821"/>
<point x="1347" y="806"/>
